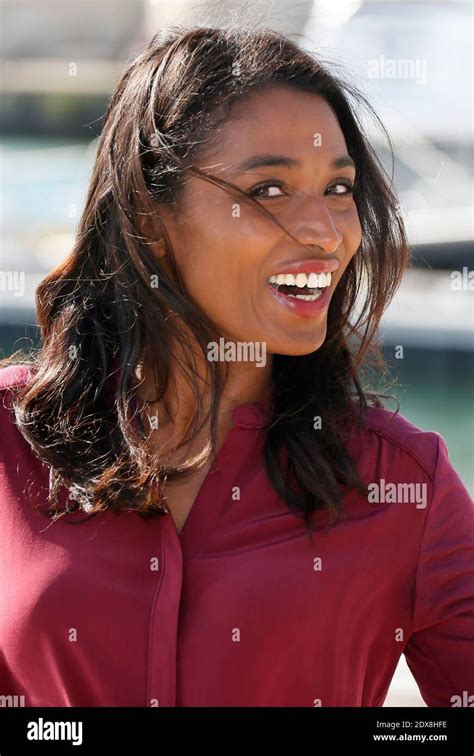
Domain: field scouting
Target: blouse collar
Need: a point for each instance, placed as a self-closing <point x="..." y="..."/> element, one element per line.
<point x="253" y="414"/>
<point x="257" y="414"/>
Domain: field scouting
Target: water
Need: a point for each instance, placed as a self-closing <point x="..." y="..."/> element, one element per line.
<point x="436" y="393"/>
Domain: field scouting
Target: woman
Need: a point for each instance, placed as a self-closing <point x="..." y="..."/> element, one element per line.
<point x="253" y="527"/>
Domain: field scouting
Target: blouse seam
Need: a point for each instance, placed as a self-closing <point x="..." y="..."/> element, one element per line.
<point x="422" y="543"/>
<point x="151" y="622"/>
<point x="402" y="445"/>
<point x="422" y="540"/>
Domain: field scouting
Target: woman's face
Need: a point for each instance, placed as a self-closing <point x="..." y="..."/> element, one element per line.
<point x="227" y="250"/>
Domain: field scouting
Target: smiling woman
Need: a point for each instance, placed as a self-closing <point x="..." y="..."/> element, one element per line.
<point x="236" y="200"/>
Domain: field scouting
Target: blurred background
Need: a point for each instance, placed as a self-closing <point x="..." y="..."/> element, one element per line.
<point x="59" y="64"/>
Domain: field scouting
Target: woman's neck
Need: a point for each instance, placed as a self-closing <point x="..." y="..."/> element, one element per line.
<point x="175" y="411"/>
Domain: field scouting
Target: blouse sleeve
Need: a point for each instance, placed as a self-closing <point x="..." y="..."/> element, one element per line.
<point x="440" y="652"/>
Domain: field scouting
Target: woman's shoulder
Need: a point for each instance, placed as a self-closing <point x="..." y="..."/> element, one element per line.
<point x="17" y="459"/>
<point x="14" y="375"/>
<point x="399" y="441"/>
<point x="12" y="378"/>
<point x="403" y="463"/>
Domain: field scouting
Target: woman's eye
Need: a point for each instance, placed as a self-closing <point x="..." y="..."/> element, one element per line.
<point x="267" y="191"/>
<point x="342" y="187"/>
<point x="258" y="191"/>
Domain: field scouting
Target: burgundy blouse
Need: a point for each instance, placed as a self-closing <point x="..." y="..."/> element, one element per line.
<point x="240" y="608"/>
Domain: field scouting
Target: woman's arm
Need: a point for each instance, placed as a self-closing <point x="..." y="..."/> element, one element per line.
<point x="440" y="652"/>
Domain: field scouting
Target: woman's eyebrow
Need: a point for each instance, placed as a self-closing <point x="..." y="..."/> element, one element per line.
<point x="264" y="161"/>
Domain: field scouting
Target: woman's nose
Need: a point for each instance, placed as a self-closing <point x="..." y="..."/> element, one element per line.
<point x="318" y="226"/>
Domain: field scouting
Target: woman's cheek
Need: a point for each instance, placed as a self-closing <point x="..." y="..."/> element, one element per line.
<point x="210" y="287"/>
<point x="351" y="232"/>
<point x="355" y="229"/>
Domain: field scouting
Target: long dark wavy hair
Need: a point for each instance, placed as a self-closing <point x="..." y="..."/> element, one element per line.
<point x="100" y="314"/>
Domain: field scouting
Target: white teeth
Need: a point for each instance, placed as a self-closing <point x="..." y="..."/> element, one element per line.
<point x="311" y="280"/>
<point x="307" y="297"/>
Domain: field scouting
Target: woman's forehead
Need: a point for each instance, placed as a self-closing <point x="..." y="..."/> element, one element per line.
<point x="278" y="120"/>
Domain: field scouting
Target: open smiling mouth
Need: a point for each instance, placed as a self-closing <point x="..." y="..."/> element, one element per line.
<point x="305" y="286"/>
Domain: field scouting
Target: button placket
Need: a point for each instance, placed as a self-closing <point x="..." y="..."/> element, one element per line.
<point x="177" y="548"/>
<point x="164" y="620"/>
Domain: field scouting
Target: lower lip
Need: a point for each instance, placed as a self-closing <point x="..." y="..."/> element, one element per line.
<point x="303" y="307"/>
